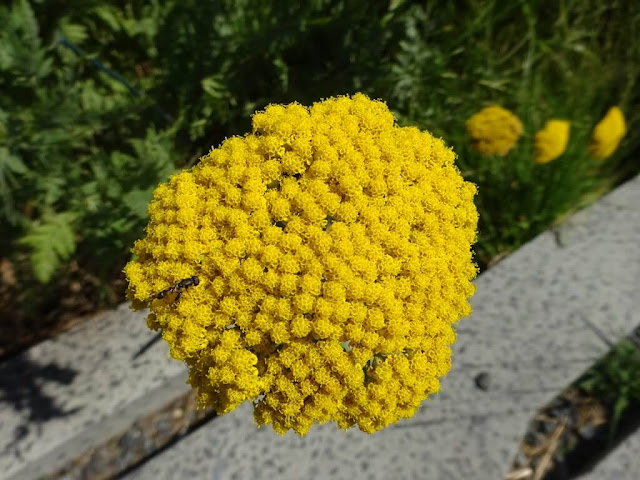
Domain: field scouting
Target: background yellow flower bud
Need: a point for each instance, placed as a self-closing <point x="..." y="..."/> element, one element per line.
<point x="551" y="141"/>
<point x="607" y="134"/>
<point x="494" y="130"/>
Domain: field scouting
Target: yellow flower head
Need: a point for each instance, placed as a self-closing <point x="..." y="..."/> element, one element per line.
<point x="494" y="130"/>
<point x="551" y="141"/>
<point x="332" y="255"/>
<point x="607" y="134"/>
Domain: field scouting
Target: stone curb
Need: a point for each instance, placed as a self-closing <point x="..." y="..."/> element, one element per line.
<point x="70" y="394"/>
<point x="143" y="430"/>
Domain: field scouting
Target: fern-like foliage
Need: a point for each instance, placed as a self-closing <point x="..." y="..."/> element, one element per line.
<point x="74" y="140"/>
<point x="51" y="241"/>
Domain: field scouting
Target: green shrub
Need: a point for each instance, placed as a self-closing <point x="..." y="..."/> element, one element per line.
<point x="615" y="380"/>
<point x="77" y="164"/>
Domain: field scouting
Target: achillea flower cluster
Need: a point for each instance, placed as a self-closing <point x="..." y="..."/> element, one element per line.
<point x="607" y="134"/>
<point x="494" y="130"/>
<point x="332" y="250"/>
<point x="551" y="141"/>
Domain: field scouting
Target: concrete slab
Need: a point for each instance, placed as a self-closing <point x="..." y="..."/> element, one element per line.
<point x="542" y="316"/>
<point x="68" y="394"/>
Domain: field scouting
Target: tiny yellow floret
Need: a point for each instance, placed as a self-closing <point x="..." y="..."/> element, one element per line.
<point x="551" y="141"/>
<point x="494" y="130"/>
<point x="607" y="134"/>
<point x="332" y="252"/>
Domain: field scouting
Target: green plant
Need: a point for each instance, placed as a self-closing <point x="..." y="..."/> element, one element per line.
<point x="615" y="379"/>
<point x="76" y="165"/>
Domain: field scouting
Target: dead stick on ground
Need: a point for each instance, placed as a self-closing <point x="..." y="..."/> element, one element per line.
<point x="519" y="474"/>
<point x="553" y="445"/>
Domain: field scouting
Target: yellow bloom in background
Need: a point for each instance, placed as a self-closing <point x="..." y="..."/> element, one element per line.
<point x="315" y="266"/>
<point x="551" y="141"/>
<point x="494" y="130"/>
<point x="608" y="133"/>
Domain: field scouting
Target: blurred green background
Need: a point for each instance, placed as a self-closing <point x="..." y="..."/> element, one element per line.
<point x="102" y="100"/>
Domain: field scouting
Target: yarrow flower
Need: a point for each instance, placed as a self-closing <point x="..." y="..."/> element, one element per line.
<point x="332" y="255"/>
<point x="551" y="141"/>
<point x="607" y="134"/>
<point x="494" y="130"/>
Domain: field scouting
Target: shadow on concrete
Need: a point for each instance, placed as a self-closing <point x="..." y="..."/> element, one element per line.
<point x="21" y="386"/>
<point x="156" y="338"/>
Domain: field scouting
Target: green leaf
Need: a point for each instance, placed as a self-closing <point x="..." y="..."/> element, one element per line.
<point x="51" y="242"/>
<point x="137" y="201"/>
<point x="283" y="72"/>
<point x="619" y="407"/>
<point x="74" y="33"/>
<point x="109" y="14"/>
<point x="24" y="17"/>
<point x="10" y="166"/>
<point x="213" y="86"/>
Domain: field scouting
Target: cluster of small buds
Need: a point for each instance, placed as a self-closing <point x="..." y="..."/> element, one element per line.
<point x="551" y="141"/>
<point x="494" y="131"/>
<point x="608" y="133"/>
<point x="333" y="255"/>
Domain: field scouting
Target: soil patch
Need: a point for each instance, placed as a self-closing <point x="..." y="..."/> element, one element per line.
<point x="32" y="313"/>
